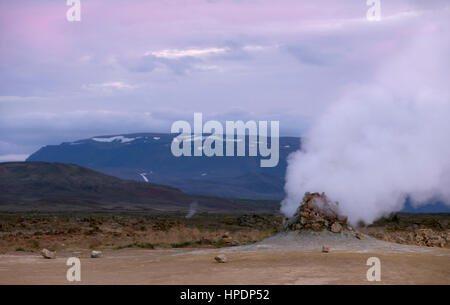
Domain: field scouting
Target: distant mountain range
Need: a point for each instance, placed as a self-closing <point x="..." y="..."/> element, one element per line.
<point x="42" y="186"/>
<point x="147" y="157"/>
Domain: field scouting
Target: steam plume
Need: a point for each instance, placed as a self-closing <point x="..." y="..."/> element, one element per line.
<point x="380" y="143"/>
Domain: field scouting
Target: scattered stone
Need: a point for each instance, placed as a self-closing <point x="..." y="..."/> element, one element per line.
<point x="435" y="241"/>
<point x="336" y="228"/>
<point x="96" y="254"/>
<point x="420" y="237"/>
<point x="359" y="235"/>
<point x="426" y="237"/>
<point x="48" y="254"/>
<point x="325" y="249"/>
<point x="221" y="258"/>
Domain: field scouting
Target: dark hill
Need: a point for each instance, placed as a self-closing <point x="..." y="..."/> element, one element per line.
<point x="58" y="186"/>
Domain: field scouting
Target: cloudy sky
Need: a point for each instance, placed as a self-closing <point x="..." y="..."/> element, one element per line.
<point x="139" y="65"/>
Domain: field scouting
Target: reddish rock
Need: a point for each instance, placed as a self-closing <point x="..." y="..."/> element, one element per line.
<point x="304" y="214"/>
<point x="316" y="226"/>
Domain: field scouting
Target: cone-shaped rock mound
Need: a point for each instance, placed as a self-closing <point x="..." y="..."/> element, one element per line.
<point x="318" y="213"/>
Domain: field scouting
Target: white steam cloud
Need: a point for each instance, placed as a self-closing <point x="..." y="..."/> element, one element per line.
<point x="369" y="156"/>
<point x="382" y="142"/>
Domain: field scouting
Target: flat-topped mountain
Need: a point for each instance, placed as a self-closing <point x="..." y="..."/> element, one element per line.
<point x="148" y="157"/>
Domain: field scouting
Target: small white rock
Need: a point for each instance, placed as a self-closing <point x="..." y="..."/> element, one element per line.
<point x="96" y="254"/>
<point x="48" y="254"/>
<point x="221" y="258"/>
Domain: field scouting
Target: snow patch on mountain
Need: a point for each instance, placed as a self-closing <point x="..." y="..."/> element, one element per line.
<point x="121" y="139"/>
<point x="143" y="175"/>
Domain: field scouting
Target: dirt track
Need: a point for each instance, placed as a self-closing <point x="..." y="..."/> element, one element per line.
<point x="177" y="266"/>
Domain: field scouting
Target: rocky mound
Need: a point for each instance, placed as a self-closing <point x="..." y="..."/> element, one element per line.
<point x="318" y="213"/>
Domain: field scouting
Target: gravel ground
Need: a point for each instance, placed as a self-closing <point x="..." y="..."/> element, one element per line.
<point x="309" y="240"/>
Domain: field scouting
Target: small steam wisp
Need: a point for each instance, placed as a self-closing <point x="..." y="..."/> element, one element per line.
<point x="192" y="210"/>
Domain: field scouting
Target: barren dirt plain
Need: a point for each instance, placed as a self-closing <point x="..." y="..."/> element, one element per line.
<point x="142" y="266"/>
<point x="181" y="251"/>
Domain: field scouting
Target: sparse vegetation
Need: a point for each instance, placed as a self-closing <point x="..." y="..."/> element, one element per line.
<point x="145" y="245"/>
<point x="125" y="246"/>
<point x="33" y="244"/>
<point x="59" y="231"/>
<point x="185" y="244"/>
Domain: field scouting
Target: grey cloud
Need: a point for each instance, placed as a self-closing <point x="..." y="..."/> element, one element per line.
<point x="149" y="63"/>
<point x="184" y="64"/>
<point x="310" y="56"/>
<point x="235" y="51"/>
